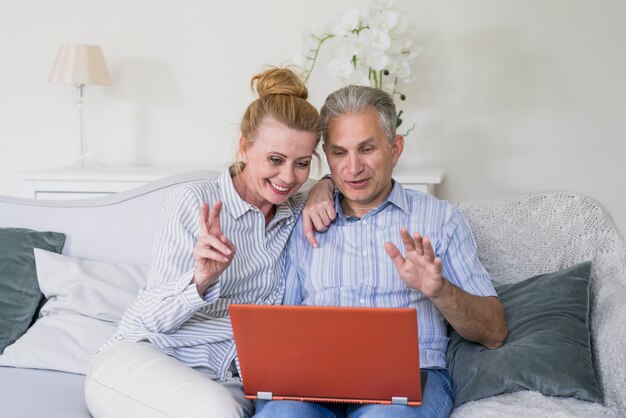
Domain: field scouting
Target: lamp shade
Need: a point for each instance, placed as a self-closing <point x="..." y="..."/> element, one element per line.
<point x="80" y="64"/>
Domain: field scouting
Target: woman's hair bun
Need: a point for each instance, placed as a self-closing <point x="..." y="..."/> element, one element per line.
<point x="279" y="81"/>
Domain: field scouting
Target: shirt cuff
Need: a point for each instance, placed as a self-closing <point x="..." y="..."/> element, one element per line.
<point x="212" y="294"/>
<point x="190" y="296"/>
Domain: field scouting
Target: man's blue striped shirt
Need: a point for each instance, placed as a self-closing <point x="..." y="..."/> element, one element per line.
<point x="352" y="268"/>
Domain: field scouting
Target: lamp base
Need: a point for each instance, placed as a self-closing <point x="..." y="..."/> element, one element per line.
<point x="83" y="157"/>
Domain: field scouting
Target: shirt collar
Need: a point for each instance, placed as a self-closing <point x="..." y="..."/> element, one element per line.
<point x="237" y="207"/>
<point x="396" y="197"/>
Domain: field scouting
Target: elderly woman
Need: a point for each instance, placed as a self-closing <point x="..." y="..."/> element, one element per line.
<point x="220" y="241"/>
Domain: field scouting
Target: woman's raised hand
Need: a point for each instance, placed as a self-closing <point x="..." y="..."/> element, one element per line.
<point x="213" y="252"/>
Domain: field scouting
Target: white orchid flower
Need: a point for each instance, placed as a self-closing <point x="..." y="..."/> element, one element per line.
<point x="340" y="68"/>
<point x="348" y="22"/>
<point x="350" y="45"/>
<point x="376" y="59"/>
<point x="400" y="68"/>
<point x="375" y="38"/>
<point x="400" y="42"/>
<point x="384" y="20"/>
<point x="370" y="46"/>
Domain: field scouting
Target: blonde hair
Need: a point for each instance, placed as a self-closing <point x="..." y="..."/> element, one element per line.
<point x="281" y="96"/>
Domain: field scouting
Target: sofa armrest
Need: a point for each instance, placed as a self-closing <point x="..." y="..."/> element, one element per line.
<point x="609" y="340"/>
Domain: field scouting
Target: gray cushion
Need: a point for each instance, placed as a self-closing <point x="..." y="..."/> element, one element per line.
<point x="19" y="290"/>
<point x="547" y="350"/>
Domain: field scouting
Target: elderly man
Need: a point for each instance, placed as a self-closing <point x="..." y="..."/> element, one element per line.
<point x="358" y="261"/>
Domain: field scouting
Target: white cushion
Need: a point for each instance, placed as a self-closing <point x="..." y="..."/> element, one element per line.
<point x="86" y="300"/>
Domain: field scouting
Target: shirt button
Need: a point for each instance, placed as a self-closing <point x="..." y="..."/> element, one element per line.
<point x="362" y="301"/>
<point x="365" y="253"/>
<point x="261" y="242"/>
<point x="365" y="221"/>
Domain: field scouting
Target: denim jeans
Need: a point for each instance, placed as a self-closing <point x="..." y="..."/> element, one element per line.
<point x="437" y="402"/>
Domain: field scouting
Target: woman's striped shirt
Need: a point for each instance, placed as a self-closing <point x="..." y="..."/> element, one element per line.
<point x="169" y="313"/>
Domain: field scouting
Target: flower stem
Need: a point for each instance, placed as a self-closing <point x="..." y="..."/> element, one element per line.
<point x="316" y="52"/>
<point x="375" y="77"/>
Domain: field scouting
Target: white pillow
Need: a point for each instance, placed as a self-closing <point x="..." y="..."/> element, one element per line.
<point x="86" y="300"/>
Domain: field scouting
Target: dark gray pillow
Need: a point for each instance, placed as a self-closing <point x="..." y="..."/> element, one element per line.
<point x="19" y="290"/>
<point x="548" y="347"/>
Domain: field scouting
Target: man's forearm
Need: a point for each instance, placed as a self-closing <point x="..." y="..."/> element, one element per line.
<point x="477" y="318"/>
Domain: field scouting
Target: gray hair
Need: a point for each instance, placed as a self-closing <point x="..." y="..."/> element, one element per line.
<point x="358" y="99"/>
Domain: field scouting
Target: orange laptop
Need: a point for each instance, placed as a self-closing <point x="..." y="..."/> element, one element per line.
<point x="328" y="354"/>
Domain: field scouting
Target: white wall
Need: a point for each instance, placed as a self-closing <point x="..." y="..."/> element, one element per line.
<point x="511" y="96"/>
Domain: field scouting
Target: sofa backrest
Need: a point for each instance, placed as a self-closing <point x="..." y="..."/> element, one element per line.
<point x="537" y="233"/>
<point x="117" y="228"/>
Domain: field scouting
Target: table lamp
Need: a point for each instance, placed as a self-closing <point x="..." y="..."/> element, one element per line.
<point x="80" y="65"/>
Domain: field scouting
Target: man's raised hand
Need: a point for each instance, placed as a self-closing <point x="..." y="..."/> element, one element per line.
<point x="420" y="270"/>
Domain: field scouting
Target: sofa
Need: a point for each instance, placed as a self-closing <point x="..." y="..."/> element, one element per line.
<point x="92" y="264"/>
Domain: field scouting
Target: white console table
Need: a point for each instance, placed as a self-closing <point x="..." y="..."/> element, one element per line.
<point x="423" y="180"/>
<point x="80" y="183"/>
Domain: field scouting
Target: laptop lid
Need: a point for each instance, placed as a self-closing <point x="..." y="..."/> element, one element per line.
<point x="328" y="354"/>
